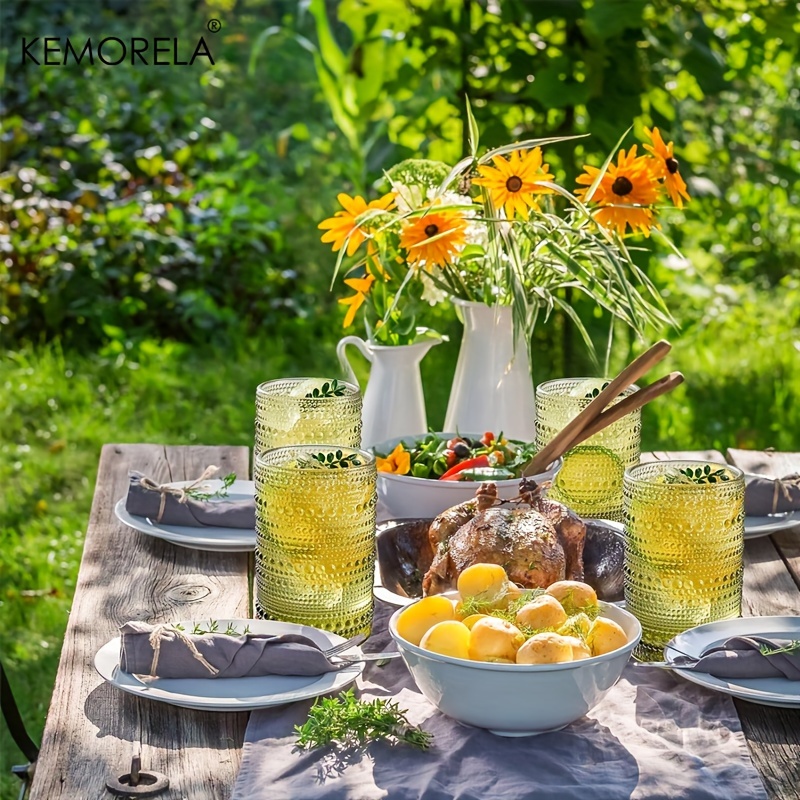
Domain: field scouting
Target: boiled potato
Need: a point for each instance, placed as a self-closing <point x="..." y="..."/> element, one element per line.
<point x="604" y="636"/>
<point x="573" y="595"/>
<point x="542" y="612"/>
<point x="449" y="638"/>
<point x="483" y="582"/>
<point x="472" y="619"/>
<point x="492" y="639"/>
<point x="580" y="649"/>
<point x="545" y="648"/>
<point x="416" y="620"/>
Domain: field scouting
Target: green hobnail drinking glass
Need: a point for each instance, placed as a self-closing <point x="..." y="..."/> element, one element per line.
<point x="315" y="536"/>
<point x="684" y="542"/>
<point x="307" y="410"/>
<point x="590" y="481"/>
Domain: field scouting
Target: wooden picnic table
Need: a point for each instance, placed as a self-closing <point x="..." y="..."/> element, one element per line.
<point x="93" y="728"/>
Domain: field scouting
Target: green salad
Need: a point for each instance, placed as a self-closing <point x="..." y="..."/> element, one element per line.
<point x="489" y="458"/>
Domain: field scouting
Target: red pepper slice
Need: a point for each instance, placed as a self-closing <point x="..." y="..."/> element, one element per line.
<point x="453" y="473"/>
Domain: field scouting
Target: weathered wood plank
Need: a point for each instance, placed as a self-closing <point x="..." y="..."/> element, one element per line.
<point x="773" y="734"/>
<point x="92" y="727"/>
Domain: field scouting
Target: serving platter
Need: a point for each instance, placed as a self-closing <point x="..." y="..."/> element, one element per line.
<point x="233" y="694"/>
<point x="401" y="560"/>
<point x="221" y="540"/>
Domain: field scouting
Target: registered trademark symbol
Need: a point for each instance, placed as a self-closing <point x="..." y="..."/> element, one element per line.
<point x="214" y="25"/>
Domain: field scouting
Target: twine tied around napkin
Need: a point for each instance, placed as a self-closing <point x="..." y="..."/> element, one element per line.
<point x="764" y="495"/>
<point x="782" y="486"/>
<point x="181" y="493"/>
<point x="155" y="642"/>
<point x="167" y="651"/>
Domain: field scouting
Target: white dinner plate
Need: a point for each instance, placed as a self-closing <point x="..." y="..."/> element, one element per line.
<point x="779" y="692"/>
<point x="233" y="694"/>
<point x="763" y="526"/>
<point x="222" y="540"/>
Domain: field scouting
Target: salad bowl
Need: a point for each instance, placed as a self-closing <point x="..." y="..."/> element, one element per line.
<point x="404" y="496"/>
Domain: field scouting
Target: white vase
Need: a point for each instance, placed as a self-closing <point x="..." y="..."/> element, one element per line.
<point x="394" y="404"/>
<point x="493" y="387"/>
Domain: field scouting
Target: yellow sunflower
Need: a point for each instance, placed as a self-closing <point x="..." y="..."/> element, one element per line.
<point x="667" y="167"/>
<point x="362" y="287"/>
<point x="345" y="223"/>
<point x="625" y="193"/>
<point x="512" y="183"/>
<point x="433" y="239"/>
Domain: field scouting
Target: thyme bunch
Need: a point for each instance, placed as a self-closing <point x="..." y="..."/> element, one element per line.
<point x="347" y="721"/>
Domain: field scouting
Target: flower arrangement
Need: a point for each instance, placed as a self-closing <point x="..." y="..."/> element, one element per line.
<point x="500" y="229"/>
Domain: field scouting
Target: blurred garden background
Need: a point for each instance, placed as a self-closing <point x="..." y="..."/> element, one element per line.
<point x="159" y="251"/>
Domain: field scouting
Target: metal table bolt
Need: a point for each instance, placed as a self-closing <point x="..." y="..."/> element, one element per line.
<point x="138" y="782"/>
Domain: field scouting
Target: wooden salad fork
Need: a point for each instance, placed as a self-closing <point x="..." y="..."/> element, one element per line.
<point x="597" y="415"/>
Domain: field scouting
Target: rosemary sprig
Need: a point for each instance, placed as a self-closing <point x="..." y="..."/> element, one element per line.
<point x="328" y="389"/>
<point x="199" y="494"/>
<point x="347" y="721"/>
<point x="791" y="647"/>
<point x="697" y="475"/>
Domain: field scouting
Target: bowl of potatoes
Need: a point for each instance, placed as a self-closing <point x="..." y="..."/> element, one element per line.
<point x="518" y="662"/>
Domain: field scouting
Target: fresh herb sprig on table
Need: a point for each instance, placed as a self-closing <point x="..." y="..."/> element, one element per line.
<point x="328" y="389"/>
<point x="199" y="494"/>
<point x="698" y="475"/>
<point x="347" y="721"/>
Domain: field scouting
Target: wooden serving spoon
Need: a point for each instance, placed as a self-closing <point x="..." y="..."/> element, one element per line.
<point x="574" y="431"/>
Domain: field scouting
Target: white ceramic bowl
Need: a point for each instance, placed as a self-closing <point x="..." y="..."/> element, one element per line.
<point x="518" y="699"/>
<point x="402" y="496"/>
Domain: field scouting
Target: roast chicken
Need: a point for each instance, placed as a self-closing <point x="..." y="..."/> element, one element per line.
<point x="537" y="541"/>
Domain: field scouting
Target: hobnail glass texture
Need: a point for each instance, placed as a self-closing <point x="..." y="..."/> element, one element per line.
<point x="315" y="539"/>
<point x="284" y="416"/>
<point x="590" y="482"/>
<point x="683" y="548"/>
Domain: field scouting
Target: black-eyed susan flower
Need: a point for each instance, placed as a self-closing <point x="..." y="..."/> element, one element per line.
<point x="361" y="287"/>
<point x="434" y="239"/>
<point x="512" y="183"/>
<point x="344" y="224"/>
<point x="666" y="167"/>
<point x="625" y="193"/>
<point x="397" y="462"/>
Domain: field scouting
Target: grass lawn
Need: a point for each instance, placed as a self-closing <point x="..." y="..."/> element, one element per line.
<point x="743" y="381"/>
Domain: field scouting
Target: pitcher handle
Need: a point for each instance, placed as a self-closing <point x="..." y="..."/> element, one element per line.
<point x="341" y="354"/>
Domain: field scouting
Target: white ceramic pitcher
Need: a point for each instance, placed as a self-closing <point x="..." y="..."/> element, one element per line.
<point x="492" y="388"/>
<point x="394" y="404"/>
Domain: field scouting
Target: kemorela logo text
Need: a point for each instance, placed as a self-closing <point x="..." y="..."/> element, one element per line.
<point x="161" y="51"/>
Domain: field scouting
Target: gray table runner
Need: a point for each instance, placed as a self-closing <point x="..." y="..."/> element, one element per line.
<point x="653" y="736"/>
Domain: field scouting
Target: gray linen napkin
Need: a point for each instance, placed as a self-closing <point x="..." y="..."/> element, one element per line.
<point x="142" y="502"/>
<point x="742" y="657"/>
<point x="777" y="489"/>
<point x="653" y="736"/>
<point x="217" y="655"/>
